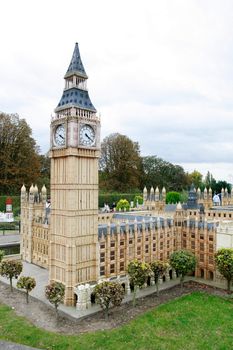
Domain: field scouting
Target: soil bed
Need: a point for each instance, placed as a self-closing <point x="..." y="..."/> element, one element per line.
<point x="44" y="316"/>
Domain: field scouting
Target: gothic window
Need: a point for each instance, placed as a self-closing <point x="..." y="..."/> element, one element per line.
<point x="112" y="255"/>
<point x="122" y="266"/>
<point x="102" y="270"/>
<point x="102" y="257"/>
<point x="211" y="259"/>
<point x="112" y="244"/>
<point x="138" y="250"/>
<point x="112" y="268"/>
<point x="121" y="253"/>
<point x="146" y="248"/>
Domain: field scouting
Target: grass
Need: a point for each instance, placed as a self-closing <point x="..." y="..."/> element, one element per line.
<point x="197" y="321"/>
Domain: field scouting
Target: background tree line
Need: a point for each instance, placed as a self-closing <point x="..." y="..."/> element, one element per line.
<point x="122" y="169"/>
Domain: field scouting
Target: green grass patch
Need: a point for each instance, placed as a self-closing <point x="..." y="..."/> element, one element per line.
<point x="197" y="321"/>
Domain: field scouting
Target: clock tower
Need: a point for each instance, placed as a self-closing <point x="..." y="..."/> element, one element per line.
<point x="75" y="149"/>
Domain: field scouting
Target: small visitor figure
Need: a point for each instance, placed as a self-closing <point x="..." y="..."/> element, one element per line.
<point x="106" y="208"/>
<point x="216" y="200"/>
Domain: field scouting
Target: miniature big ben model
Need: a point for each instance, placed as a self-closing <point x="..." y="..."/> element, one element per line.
<point x="75" y="149"/>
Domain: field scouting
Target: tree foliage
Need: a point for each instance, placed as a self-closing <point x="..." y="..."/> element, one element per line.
<point x="107" y="294"/>
<point x="183" y="262"/>
<point x="27" y="283"/>
<point x="158" y="172"/>
<point x="11" y="269"/>
<point x="173" y="197"/>
<point x="55" y="293"/>
<point x="19" y="159"/>
<point x="195" y="178"/>
<point x="224" y="262"/>
<point x="138" y="273"/>
<point x="44" y="178"/>
<point x="159" y="269"/>
<point x="120" y="163"/>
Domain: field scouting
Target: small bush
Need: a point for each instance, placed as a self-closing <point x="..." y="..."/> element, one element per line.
<point x="137" y="200"/>
<point x="172" y="197"/>
<point x="123" y="205"/>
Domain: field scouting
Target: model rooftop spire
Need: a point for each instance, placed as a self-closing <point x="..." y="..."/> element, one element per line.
<point x="75" y="99"/>
<point x="76" y="65"/>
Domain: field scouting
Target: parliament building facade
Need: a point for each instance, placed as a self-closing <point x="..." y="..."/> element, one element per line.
<point x="80" y="246"/>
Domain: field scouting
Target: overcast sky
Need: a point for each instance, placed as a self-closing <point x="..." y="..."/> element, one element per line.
<point x="160" y="72"/>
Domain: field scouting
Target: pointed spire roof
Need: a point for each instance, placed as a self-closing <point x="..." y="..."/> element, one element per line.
<point x="76" y="65"/>
<point x="73" y="95"/>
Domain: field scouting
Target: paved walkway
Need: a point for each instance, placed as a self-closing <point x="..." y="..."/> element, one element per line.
<point x="42" y="279"/>
<point x="4" y="345"/>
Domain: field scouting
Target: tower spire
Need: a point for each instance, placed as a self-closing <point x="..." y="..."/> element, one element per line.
<point x="75" y="99"/>
<point x="76" y="65"/>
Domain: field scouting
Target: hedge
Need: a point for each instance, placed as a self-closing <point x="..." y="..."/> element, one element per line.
<point x="107" y="198"/>
<point x="110" y="198"/>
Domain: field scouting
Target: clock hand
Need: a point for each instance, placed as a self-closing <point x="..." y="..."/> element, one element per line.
<point x="88" y="137"/>
<point x="61" y="136"/>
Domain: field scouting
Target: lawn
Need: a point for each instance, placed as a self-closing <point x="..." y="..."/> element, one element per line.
<point x="196" y="321"/>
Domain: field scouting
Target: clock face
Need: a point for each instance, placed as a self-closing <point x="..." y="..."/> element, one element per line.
<point x="87" y="135"/>
<point x="59" y="136"/>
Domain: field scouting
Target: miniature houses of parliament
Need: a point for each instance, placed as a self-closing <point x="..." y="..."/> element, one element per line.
<point x="80" y="246"/>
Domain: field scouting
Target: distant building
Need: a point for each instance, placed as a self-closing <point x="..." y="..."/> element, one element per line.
<point x="8" y="215"/>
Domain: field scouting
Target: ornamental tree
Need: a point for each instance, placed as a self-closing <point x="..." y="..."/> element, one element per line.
<point x="107" y="294"/>
<point x="55" y="293"/>
<point x="123" y="204"/>
<point x="27" y="283"/>
<point x="137" y="200"/>
<point x="138" y="273"/>
<point x="11" y="269"/>
<point x="159" y="269"/>
<point x="224" y="263"/>
<point x="183" y="262"/>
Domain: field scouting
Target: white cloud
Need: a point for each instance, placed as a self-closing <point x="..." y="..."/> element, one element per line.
<point x="160" y="71"/>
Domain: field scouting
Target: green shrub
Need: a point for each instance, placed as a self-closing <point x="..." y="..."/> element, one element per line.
<point x="114" y="197"/>
<point x="123" y="205"/>
<point x="173" y="197"/>
<point x="9" y="226"/>
<point x="137" y="200"/>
